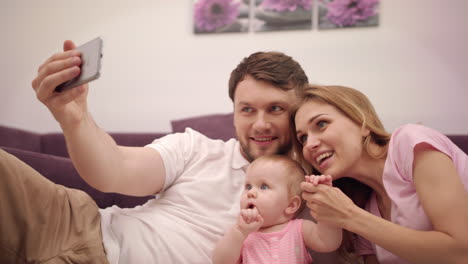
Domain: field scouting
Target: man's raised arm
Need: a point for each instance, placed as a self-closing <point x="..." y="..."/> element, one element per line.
<point x="99" y="160"/>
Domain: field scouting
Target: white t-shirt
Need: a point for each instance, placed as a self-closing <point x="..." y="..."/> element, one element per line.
<point x="199" y="201"/>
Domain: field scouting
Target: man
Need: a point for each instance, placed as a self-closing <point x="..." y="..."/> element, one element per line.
<point x="198" y="180"/>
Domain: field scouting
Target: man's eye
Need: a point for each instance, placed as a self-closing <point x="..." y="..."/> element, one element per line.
<point x="247" y="109"/>
<point x="264" y="187"/>
<point x="302" y="139"/>
<point x="322" y="124"/>
<point x="276" y="108"/>
<point x="248" y="187"/>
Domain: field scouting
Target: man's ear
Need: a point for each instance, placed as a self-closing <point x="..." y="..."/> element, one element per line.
<point x="294" y="205"/>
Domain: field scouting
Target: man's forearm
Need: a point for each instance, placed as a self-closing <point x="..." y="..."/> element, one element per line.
<point x="94" y="153"/>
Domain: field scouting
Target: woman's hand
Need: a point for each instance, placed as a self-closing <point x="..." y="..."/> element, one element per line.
<point x="68" y="107"/>
<point x="319" y="179"/>
<point x="326" y="203"/>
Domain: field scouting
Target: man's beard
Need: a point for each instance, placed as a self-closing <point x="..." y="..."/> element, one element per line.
<point x="284" y="149"/>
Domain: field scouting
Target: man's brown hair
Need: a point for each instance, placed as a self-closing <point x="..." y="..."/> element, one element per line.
<point x="276" y="68"/>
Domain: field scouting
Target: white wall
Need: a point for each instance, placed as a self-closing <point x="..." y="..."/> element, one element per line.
<point x="413" y="66"/>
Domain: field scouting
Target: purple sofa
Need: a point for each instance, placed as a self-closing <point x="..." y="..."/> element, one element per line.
<point x="47" y="153"/>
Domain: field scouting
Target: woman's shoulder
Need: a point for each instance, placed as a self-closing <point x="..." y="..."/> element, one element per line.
<point x="411" y="134"/>
<point x="414" y="129"/>
<point x="405" y="138"/>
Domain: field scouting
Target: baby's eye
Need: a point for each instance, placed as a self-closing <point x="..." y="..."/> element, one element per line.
<point x="322" y="124"/>
<point x="264" y="187"/>
<point x="302" y="139"/>
<point x="248" y="187"/>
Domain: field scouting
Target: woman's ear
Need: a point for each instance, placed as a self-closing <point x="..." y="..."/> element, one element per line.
<point x="294" y="205"/>
<point x="365" y="131"/>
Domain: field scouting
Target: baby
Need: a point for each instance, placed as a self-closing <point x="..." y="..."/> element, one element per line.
<point x="266" y="230"/>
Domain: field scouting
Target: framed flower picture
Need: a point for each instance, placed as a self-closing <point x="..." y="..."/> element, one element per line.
<point x="276" y="15"/>
<point x="220" y="16"/>
<point x="347" y="13"/>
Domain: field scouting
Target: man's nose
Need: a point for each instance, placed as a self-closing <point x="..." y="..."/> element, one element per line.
<point x="262" y="122"/>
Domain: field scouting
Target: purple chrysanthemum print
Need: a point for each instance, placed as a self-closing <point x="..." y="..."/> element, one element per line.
<point x="213" y="14"/>
<point x="349" y="12"/>
<point x="286" y="5"/>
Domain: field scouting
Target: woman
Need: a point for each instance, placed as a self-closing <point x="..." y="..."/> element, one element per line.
<point x="411" y="202"/>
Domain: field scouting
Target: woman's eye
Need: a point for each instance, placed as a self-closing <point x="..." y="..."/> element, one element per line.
<point x="302" y="139"/>
<point x="264" y="187"/>
<point x="248" y="186"/>
<point x="322" y="124"/>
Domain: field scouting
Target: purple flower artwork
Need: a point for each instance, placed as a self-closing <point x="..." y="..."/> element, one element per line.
<point x="348" y="13"/>
<point x="217" y="16"/>
<point x="286" y="5"/>
<point x="276" y="15"/>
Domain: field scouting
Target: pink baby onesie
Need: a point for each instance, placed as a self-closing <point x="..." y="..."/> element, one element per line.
<point x="284" y="246"/>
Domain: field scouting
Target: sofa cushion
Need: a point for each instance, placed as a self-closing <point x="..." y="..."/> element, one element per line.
<point x="20" y="139"/>
<point x="54" y="143"/>
<point x="135" y="139"/>
<point x="216" y="126"/>
<point x="461" y="141"/>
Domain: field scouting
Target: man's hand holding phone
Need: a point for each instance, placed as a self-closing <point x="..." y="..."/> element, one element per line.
<point x="68" y="107"/>
<point x="91" y="54"/>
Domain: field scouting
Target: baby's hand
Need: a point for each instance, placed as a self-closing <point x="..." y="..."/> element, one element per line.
<point x="319" y="179"/>
<point x="249" y="221"/>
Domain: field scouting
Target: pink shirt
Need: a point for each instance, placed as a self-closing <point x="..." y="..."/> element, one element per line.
<point x="398" y="182"/>
<point x="285" y="246"/>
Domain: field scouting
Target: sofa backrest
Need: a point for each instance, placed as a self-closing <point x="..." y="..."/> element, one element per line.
<point x="461" y="141"/>
<point x="20" y="139"/>
<point x="215" y="126"/>
<point x="54" y="143"/>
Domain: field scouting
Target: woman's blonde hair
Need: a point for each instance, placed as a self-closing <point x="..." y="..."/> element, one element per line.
<point x="354" y="105"/>
<point x="357" y="107"/>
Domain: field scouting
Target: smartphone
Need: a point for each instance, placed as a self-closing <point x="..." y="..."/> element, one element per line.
<point x="91" y="54"/>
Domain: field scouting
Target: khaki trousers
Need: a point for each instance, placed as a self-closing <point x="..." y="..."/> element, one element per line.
<point x="42" y="222"/>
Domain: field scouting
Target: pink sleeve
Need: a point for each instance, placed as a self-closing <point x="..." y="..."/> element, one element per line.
<point x="405" y="139"/>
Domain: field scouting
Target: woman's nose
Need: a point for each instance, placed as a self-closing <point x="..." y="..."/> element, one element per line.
<point x="312" y="142"/>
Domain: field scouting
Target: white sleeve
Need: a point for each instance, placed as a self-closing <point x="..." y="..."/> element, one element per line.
<point x="176" y="150"/>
